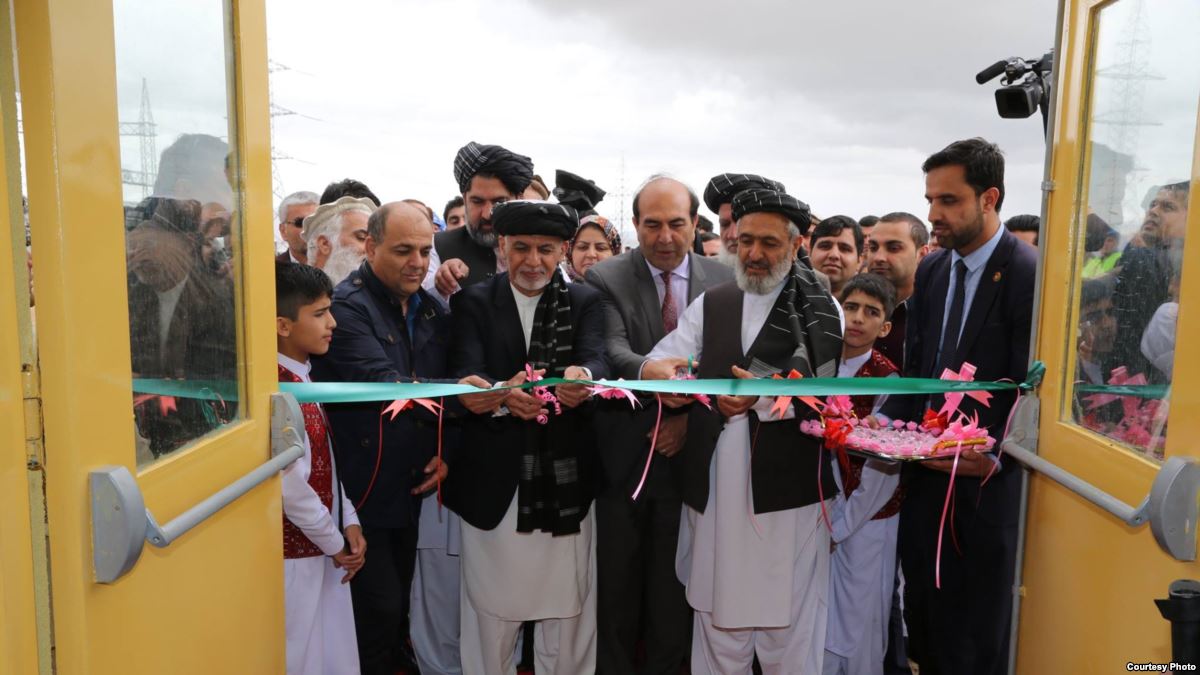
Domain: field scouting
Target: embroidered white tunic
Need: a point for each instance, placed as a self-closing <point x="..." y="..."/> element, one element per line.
<point x="317" y="605"/>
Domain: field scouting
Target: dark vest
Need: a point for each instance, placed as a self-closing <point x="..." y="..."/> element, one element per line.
<point x="783" y="461"/>
<point x="457" y="243"/>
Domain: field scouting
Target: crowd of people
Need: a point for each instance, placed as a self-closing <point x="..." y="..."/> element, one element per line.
<point x="578" y="534"/>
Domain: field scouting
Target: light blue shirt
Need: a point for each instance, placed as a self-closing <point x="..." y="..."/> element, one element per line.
<point x="975" y="261"/>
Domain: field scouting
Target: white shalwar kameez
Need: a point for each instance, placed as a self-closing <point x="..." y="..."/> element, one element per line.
<point x="509" y="577"/>
<point x="319" y="614"/>
<point x="758" y="583"/>
<point x="433" y="622"/>
<point x="863" y="565"/>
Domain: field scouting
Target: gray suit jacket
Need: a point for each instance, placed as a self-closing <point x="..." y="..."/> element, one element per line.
<point x="632" y="326"/>
<point x="632" y="311"/>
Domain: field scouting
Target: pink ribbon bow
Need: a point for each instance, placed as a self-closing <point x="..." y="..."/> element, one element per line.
<point x="615" y="393"/>
<point x="954" y="398"/>
<point x="399" y="406"/>
<point x="782" y="402"/>
<point x="166" y="404"/>
<point x="1119" y="377"/>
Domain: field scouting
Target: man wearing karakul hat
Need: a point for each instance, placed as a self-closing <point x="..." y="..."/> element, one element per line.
<point x="524" y="487"/>
<point x="487" y="175"/>
<point x="754" y="555"/>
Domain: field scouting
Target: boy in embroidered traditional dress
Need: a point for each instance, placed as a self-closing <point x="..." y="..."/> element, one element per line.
<point x="320" y="616"/>
<point x="863" y="565"/>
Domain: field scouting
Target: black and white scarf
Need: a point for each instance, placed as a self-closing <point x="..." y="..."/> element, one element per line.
<point x="806" y="311"/>
<point x="549" y="497"/>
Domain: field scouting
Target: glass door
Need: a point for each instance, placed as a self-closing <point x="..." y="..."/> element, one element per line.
<point x="148" y="165"/>
<point x="1120" y="291"/>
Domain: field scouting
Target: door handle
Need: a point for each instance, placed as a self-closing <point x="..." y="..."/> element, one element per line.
<point x="121" y="523"/>
<point x="1171" y="508"/>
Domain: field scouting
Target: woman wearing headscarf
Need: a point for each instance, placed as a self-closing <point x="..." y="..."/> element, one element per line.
<point x="596" y="239"/>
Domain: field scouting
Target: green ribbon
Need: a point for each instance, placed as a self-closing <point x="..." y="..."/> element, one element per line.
<point x="204" y="390"/>
<point x="1138" y="390"/>
<point x="362" y="392"/>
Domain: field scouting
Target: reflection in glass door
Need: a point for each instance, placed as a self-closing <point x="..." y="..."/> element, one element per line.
<point x="174" y="92"/>
<point x="1141" y="132"/>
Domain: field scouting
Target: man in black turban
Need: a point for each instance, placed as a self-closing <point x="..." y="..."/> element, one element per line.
<point x="577" y="192"/>
<point x="756" y="566"/>
<point x="487" y="175"/>
<point x="524" y="477"/>
<point x="717" y="197"/>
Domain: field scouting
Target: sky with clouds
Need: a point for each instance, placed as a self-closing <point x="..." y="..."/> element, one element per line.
<point x="839" y="100"/>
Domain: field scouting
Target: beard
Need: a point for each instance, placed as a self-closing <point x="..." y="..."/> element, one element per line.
<point x="762" y="285"/>
<point x="727" y="258"/>
<point x="485" y="239"/>
<point x="341" y="263"/>
<point x="533" y="287"/>
<point x="970" y="232"/>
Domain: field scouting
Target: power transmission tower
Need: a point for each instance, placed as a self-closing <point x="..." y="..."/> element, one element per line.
<point x="147" y="133"/>
<point x="279" y="111"/>
<point x="1123" y="111"/>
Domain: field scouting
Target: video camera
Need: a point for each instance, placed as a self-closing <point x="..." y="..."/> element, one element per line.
<point x="1025" y="88"/>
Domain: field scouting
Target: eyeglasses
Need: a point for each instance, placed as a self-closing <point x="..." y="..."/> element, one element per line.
<point x="298" y="222"/>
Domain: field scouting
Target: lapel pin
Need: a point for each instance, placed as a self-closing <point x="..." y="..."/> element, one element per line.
<point x="996" y="277"/>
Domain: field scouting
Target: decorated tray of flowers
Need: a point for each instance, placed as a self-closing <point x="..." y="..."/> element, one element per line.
<point x="940" y="435"/>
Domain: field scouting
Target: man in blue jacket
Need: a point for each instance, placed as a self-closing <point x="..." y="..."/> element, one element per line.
<point x="388" y="330"/>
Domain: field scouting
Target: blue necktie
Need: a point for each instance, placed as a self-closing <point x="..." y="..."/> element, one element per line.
<point x="954" y="319"/>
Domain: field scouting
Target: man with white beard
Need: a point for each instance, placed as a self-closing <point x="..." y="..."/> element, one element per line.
<point x="754" y="549"/>
<point x="336" y="234"/>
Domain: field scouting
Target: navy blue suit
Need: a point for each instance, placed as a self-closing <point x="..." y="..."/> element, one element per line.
<point x="964" y="626"/>
<point x="372" y="344"/>
<point x="375" y="342"/>
<point x="489" y="342"/>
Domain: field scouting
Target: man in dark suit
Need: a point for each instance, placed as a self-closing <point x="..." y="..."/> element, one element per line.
<point x="635" y="552"/>
<point x="388" y="330"/>
<point x="523" y="480"/>
<point x="972" y="303"/>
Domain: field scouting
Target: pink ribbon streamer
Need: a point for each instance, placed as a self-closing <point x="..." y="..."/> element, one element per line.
<point x="543" y="394"/>
<point x="821" y="488"/>
<point x="650" y="455"/>
<point x="937" y="565"/>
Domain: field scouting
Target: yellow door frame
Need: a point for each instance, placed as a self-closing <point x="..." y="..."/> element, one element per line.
<point x="1088" y="580"/>
<point x="20" y="482"/>
<point x="212" y="602"/>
